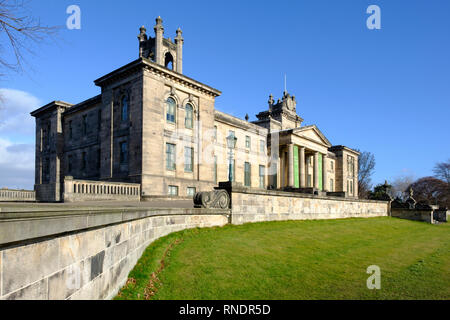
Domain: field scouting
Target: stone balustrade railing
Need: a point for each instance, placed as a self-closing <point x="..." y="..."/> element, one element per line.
<point x="7" y="195"/>
<point x="87" y="190"/>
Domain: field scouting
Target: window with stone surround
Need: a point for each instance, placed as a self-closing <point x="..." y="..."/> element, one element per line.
<point x="188" y="159"/>
<point x="170" y="156"/>
<point x="262" y="147"/>
<point x="191" y="191"/>
<point x="248" y="142"/>
<point x="172" y="191"/>
<point x="189" y="118"/>
<point x="262" y="176"/>
<point x="171" y="109"/>
<point x="124" y="152"/>
<point x="124" y="110"/>
<point x="247" y="174"/>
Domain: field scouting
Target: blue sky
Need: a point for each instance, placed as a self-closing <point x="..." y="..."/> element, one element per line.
<point x="386" y="91"/>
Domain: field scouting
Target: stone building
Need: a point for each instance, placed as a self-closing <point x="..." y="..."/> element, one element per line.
<point x="156" y="127"/>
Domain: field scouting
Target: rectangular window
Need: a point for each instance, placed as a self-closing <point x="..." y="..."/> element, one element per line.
<point x="332" y="165"/>
<point x="262" y="176"/>
<point x="84" y="126"/>
<point x="351" y="166"/>
<point x="83" y="161"/>
<point x="351" y="187"/>
<point x="173" y="191"/>
<point x="170" y="156"/>
<point x="248" y="142"/>
<point x="331" y="185"/>
<point x="123" y="152"/>
<point x="247" y="174"/>
<point x="188" y="159"/>
<point x="191" y="191"/>
<point x="262" y="147"/>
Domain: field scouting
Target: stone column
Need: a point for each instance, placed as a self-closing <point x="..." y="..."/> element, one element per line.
<point x="179" y="41"/>
<point x="291" y="179"/>
<point x="302" y="168"/>
<point x="316" y="170"/>
<point x="325" y="173"/>
<point x="159" y="35"/>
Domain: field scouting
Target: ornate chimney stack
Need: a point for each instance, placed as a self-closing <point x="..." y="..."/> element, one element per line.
<point x="179" y="42"/>
<point x="159" y="33"/>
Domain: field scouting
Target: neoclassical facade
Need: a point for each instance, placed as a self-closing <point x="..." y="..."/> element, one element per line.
<point x="156" y="127"/>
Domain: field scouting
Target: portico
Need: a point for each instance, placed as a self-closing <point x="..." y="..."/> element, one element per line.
<point x="304" y="159"/>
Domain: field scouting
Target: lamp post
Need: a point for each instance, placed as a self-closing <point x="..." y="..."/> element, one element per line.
<point x="231" y="143"/>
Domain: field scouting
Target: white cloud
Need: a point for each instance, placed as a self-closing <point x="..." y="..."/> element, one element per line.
<point x="16" y="165"/>
<point x="15" y="108"/>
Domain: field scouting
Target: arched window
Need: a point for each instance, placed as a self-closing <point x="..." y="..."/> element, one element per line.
<point x="170" y="113"/>
<point x="189" y="119"/>
<point x="124" y="108"/>
<point x="168" y="63"/>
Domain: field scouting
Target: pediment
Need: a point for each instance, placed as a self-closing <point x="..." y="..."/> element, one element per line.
<point x="314" y="134"/>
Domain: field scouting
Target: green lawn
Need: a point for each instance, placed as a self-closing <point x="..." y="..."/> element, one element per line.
<point x="297" y="260"/>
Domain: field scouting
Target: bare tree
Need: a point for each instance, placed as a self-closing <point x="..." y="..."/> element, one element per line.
<point x="20" y="30"/>
<point x="442" y="171"/>
<point x="430" y="190"/>
<point x="366" y="168"/>
<point x="400" y="186"/>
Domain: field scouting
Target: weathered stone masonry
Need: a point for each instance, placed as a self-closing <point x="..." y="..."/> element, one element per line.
<point x="82" y="254"/>
<point x="88" y="253"/>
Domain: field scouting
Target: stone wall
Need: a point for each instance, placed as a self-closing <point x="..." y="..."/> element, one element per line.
<point x="83" y="254"/>
<point x="249" y="205"/>
<point x="7" y="195"/>
<point x="413" y="214"/>
<point x="86" y="190"/>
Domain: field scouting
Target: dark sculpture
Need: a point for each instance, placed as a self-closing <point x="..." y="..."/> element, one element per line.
<point x="219" y="199"/>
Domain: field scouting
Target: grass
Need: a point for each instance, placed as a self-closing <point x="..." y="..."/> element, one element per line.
<point x="296" y="260"/>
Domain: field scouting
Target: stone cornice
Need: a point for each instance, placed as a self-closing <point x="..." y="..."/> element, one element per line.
<point x="340" y="148"/>
<point x="51" y="106"/>
<point x="85" y="104"/>
<point x="231" y="120"/>
<point x="146" y="64"/>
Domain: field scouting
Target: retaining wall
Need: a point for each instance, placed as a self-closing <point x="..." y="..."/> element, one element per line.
<point x="79" y="254"/>
<point x="251" y="205"/>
